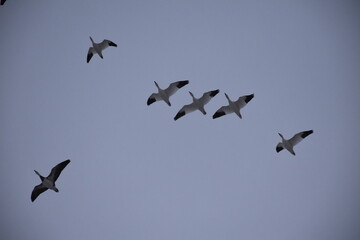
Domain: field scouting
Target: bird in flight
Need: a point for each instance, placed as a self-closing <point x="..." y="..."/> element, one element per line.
<point x="98" y="48"/>
<point x="289" y="144"/>
<point x="165" y="94"/>
<point x="197" y="104"/>
<point x="49" y="181"/>
<point x="233" y="107"/>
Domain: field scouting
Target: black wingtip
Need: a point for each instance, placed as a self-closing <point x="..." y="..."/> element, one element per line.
<point x="182" y="83"/>
<point x="151" y="101"/>
<point x="179" y="115"/>
<point x="89" y="56"/>
<point x="306" y="133"/>
<point x="65" y="163"/>
<point x="213" y="93"/>
<point x="278" y="149"/>
<point x="218" y="114"/>
<point x="112" y="44"/>
<point x="249" y="97"/>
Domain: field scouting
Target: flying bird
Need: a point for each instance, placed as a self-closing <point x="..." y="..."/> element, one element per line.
<point x="98" y="48"/>
<point x="2" y="2"/>
<point x="197" y="104"/>
<point x="290" y="143"/>
<point x="49" y="181"/>
<point x="233" y="107"/>
<point x="165" y="94"/>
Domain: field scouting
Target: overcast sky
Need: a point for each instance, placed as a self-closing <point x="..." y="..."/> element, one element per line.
<point x="135" y="173"/>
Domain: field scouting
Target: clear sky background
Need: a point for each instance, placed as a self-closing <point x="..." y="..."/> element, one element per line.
<point x="138" y="174"/>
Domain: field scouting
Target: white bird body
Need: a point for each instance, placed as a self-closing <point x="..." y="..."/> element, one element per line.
<point x="197" y="104"/>
<point x="165" y="94"/>
<point x="98" y="48"/>
<point x="234" y="106"/>
<point x="286" y="144"/>
<point x="49" y="184"/>
<point x="49" y="181"/>
<point x="289" y="144"/>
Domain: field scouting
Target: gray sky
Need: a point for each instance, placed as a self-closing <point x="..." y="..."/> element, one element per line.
<point x="135" y="172"/>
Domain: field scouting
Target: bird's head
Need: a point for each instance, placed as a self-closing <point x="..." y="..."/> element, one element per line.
<point x="227" y="97"/>
<point x="41" y="177"/>
<point x="156" y="84"/>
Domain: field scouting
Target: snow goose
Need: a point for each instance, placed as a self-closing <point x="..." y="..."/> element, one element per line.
<point x="98" y="48"/>
<point x="233" y="107"/>
<point x="197" y="104"/>
<point x="290" y="143"/>
<point x="2" y="2"/>
<point x="49" y="181"/>
<point x="165" y="94"/>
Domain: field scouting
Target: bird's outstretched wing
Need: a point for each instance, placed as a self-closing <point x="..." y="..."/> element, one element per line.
<point x="173" y="87"/>
<point x="38" y="189"/>
<point x="90" y="54"/>
<point x="243" y="100"/>
<point x="299" y="137"/>
<point x="279" y="147"/>
<point x="186" y="109"/>
<point x="206" y="97"/>
<point x="55" y="171"/>
<point x="153" y="98"/>
<point x="222" y="111"/>
<point x="106" y="43"/>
